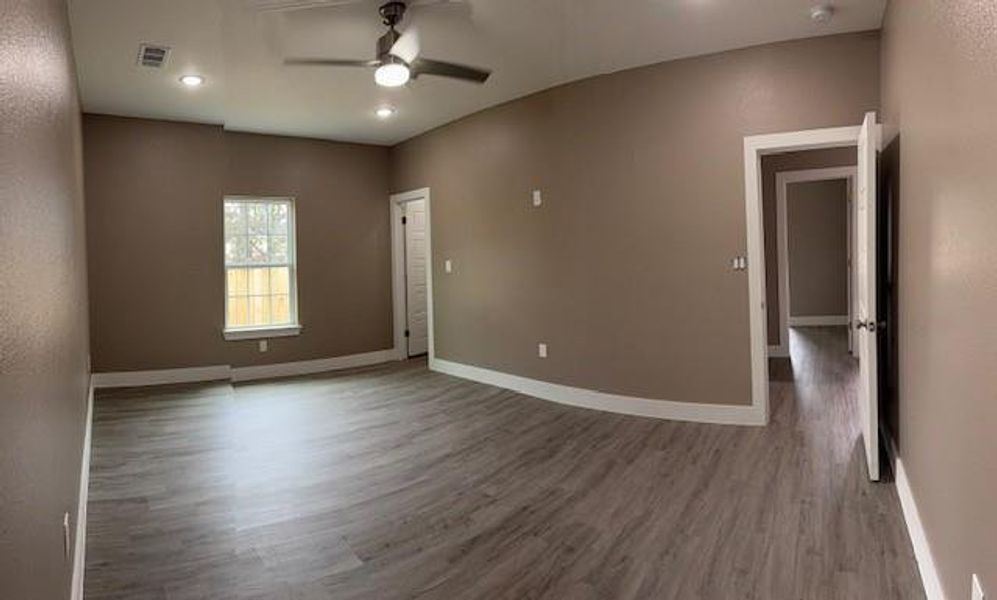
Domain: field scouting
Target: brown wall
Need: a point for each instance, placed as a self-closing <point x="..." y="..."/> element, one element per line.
<point x="817" y="219"/>
<point x="771" y="165"/>
<point x="625" y="270"/>
<point x="939" y="97"/>
<point x="154" y="213"/>
<point x="43" y="299"/>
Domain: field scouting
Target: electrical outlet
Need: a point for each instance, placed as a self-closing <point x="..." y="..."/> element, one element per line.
<point x="542" y="350"/>
<point x="537" y="198"/>
<point x="264" y="345"/>
<point x="978" y="593"/>
<point x="448" y="266"/>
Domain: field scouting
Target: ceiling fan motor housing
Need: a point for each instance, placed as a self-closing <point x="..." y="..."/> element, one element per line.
<point x="385" y="43"/>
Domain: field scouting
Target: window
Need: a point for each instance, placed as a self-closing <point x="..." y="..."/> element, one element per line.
<point x="260" y="287"/>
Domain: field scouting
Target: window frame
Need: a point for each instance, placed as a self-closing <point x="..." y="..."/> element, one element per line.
<point x="266" y="331"/>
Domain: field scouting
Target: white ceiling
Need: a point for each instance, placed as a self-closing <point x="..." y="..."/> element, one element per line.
<point x="530" y="44"/>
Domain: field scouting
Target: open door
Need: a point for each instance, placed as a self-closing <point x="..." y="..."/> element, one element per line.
<point x="867" y="321"/>
<point x="417" y="324"/>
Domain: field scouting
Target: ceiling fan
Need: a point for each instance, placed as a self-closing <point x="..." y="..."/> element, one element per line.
<point x="398" y="58"/>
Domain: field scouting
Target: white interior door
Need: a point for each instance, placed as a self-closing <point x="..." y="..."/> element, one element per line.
<point x="867" y="320"/>
<point x="415" y="277"/>
<point x="851" y="267"/>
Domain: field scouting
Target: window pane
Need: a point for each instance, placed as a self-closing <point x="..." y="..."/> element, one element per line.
<point x="257" y="216"/>
<point x="235" y="249"/>
<point x="259" y="282"/>
<point x="259" y="310"/>
<point x="258" y="250"/>
<point x="281" y="309"/>
<point x="238" y="312"/>
<point x="280" y="280"/>
<point x="235" y="218"/>
<point x="258" y="233"/>
<point x="238" y="282"/>
<point x="278" y="218"/>
<point x="278" y="249"/>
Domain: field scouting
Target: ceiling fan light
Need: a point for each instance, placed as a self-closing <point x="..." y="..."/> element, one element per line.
<point x="392" y="74"/>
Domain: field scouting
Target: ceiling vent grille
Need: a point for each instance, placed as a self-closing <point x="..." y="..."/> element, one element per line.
<point x="153" y="55"/>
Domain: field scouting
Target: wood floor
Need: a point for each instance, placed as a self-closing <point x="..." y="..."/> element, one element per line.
<point x="396" y="482"/>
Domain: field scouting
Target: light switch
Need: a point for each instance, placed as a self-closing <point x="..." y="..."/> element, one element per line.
<point x="264" y="345"/>
<point x="448" y="266"/>
<point x="542" y="350"/>
<point x="537" y="198"/>
<point x="66" y="544"/>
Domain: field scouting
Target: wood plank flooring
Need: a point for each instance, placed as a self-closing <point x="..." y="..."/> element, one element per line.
<point x="396" y="482"/>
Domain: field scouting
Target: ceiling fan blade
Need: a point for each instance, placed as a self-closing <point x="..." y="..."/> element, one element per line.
<point x="330" y="62"/>
<point x="425" y="66"/>
<point x="407" y="46"/>
<point x="288" y="5"/>
<point x="456" y="7"/>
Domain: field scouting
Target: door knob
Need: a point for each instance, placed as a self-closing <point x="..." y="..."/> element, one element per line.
<point x="868" y="325"/>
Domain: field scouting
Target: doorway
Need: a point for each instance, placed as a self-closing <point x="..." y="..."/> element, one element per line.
<point x="815" y="224"/>
<point x="412" y="274"/>
<point x="865" y="138"/>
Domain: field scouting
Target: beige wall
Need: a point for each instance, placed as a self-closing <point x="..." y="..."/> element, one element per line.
<point x="817" y="236"/>
<point x="154" y="194"/>
<point x="625" y="270"/>
<point x="939" y="96"/>
<point x="771" y="165"/>
<point x="43" y="299"/>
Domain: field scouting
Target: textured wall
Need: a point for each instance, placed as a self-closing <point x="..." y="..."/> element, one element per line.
<point x="817" y="218"/>
<point x="939" y="99"/>
<point x="154" y="214"/>
<point x="625" y="271"/>
<point x="43" y="299"/>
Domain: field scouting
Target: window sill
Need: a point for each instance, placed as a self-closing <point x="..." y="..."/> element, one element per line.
<point x="261" y="333"/>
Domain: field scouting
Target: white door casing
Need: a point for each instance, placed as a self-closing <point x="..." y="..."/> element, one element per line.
<point x="867" y="319"/>
<point x="415" y="277"/>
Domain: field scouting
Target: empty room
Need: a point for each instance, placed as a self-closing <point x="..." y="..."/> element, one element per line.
<point x="484" y="299"/>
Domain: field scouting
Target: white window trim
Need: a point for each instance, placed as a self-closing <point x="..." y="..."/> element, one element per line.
<point x="260" y="333"/>
<point x="267" y="331"/>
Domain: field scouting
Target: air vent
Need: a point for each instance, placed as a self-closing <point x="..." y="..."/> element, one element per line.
<point x="153" y="55"/>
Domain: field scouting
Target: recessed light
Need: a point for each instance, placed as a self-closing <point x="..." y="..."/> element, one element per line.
<point x="385" y="112"/>
<point x="192" y="80"/>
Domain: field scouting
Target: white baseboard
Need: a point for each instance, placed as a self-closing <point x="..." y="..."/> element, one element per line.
<point x="819" y="321"/>
<point x="80" y="540"/>
<point x="922" y="550"/>
<point x="308" y="367"/>
<point x="161" y="377"/>
<point x="780" y="351"/>
<point x="584" y="398"/>
<point x="229" y="373"/>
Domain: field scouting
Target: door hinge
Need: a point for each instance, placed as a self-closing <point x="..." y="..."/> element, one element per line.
<point x="404" y="220"/>
<point x="406" y="333"/>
